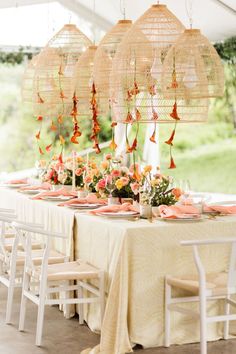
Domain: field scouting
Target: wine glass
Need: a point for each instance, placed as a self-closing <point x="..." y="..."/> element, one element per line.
<point x="110" y="185"/>
<point x="185" y="188"/>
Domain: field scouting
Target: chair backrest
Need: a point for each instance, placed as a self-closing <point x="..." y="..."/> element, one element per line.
<point x="29" y="229"/>
<point x="231" y="281"/>
<point x="7" y="216"/>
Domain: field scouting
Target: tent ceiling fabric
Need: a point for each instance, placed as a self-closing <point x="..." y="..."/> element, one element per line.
<point x="215" y="18"/>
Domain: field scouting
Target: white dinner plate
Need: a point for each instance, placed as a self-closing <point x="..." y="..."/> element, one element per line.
<point x="123" y="214"/>
<point x="30" y="191"/>
<point x="185" y="218"/>
<point x="59" y="198"/>
<point x="83" y="206"/>
<point x="14" y="185"/>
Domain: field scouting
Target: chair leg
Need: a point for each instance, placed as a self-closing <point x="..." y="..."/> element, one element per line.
<point x="25" y="287"/>
<point x="226" y="324"/>
<point x="167" y="314"/>
<point x="81" y="306"/>
<point x="67" y="306"/>
<point x="203" y="324"/>
<point x="11" y="286"/>
<point x="102" y="296"/>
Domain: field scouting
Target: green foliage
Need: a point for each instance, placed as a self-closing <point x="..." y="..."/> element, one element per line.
<point x="163" y="193"/>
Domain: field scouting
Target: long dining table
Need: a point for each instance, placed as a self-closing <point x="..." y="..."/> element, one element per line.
<point x="135" y="255"/>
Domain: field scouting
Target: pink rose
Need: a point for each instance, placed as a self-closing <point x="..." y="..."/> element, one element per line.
<point x="125" y="180"/>
<point x="101" y="184"/>
<point x="87" y="179"/>
<point x="108" y="156"/>
<point x="115" y="173"/>
<point x="78" y="171"/>
<point x="135" y="187"/>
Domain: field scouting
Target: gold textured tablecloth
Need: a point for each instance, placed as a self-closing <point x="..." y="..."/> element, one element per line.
<point x="136" y="256"/>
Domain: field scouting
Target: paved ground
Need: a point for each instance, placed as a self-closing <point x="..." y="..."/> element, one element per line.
<point x="63" y="336"/>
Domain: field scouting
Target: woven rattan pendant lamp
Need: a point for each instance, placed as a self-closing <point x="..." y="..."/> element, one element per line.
<point x="103" y="62"/>
<point x="135" y="82"/>
<point x="192" y="68"/>
<point x="54" y="72"/>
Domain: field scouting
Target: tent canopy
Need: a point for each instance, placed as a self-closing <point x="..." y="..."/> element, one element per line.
<point x="215" y="18"/>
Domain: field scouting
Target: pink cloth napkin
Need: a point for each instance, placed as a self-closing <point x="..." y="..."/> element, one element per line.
<point x="178" y="211"/>
<point x="224" y="209"/>
<point x="17" y="181"/>
<point x="62" y="191"/>
<point x="114" y="208"/>
<point x="45" y="186"/>
<point x="90" y="199"/>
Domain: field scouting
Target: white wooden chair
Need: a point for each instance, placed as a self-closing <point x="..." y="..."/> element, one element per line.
<point x="12" y="258"/>
<point x="204" y="287"/>
<point x="57" y="278"/>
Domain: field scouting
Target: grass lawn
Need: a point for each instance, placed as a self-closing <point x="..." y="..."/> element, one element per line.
<point x="209" y="168"/>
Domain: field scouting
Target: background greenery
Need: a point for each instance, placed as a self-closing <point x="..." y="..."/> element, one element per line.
<point x="204" y="153"/>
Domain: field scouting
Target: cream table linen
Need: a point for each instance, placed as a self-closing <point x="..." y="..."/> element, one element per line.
<point x="47" y="213"/>
<point x="136" y="256"/>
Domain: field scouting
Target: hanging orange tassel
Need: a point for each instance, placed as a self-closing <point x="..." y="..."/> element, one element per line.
<point x="48" y="148"/>
<point x="137" y="114"/>
<point x="174" y="83"/>
<point x="37" y="136"/>
<point x="113" y="145"/>
<point x="135" y="91"/>
<point x="62" y="95"/>
<point x="170" y="140"/>
<point x="60" y="119"/>
<point x="41" y="151"/>
<point x="53" y="127"/>
<point x="60" y="158"/>
<point x="154" y="115"/>
<point x="174" y="113"/>
<point x="153" y="137"/>
<point x="96" y="127"/>
<point x="39" y="118"/>
<point x="60" y="72"/>
<point x="129" y="118"/>
<point x="172" y="163"/>
<point x="113" y="124"/>
<point x="40" y="100"/>
<point x="152" y="90"/>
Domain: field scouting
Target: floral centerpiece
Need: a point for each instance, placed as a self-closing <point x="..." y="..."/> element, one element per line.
<point x="117" y="181"/>
<point x="157" y="188"/>
<point x="61" y="172"/>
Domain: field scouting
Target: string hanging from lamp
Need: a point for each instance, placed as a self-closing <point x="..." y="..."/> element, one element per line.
<point x="52" y="85"/>
<point x="103" y="66"/>
<point x="135" y="82"/>
<point x="85" y="90"/>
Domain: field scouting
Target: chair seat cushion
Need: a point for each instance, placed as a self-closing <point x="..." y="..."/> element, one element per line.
<point x="77" y="270"/>
<point x="216" y="283"/>
<point x="37" y="255"/>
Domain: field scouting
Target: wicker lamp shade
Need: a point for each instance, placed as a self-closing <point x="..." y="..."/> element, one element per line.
<point x="103" y="62"/>
<point x="192" y="68"/>
<point x="54" y="72"/>
<point x="137" y="68"/>
<point x="83" y="80"/>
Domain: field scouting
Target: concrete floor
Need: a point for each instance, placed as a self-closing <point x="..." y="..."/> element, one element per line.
<point x="63" y="336"/>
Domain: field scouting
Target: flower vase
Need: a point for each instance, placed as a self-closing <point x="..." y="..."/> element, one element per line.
<point x="82" y="193"/>
<point x="155" y="211"/>
<point x="55" y="187"/>
<point x="113" y="201"/>
<point x="146" y="211"/>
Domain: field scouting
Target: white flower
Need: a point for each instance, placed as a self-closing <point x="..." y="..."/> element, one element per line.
<point x="62" y="177"/>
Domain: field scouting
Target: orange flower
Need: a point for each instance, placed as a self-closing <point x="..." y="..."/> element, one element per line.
<point x="60" y="119"/>
<point x="37" y="136"/>
<point x="113" y="124"/>
<point x="154" y="115"/>
<point x="152" y="90"/>
<point x="41" y="151"/>
<point x="135" y="89"/>
<point x="113" y="145"/>
<point x="134" y="145"/>
<point x="174" y="113"/>
<point x="40" y="100"/>
<point x="128" y="148"/>
<point x="137" y="114"/>
<point x="74" y="140"/>
<point x="53" y="127"/>
<point x="129" y="118"/>
<point x="62" y="140"/>
<point x="129" y="96"/>
<point x="62" y="95"/>
<point x="170" y="141"/>
<point x="48" y="148"/>
<point x="172" y="163"/>
<point x="39" y="118"/>
<point x="176" y="192"/>
<point x="153" y="137"/>
<point x="174" y="83"/>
